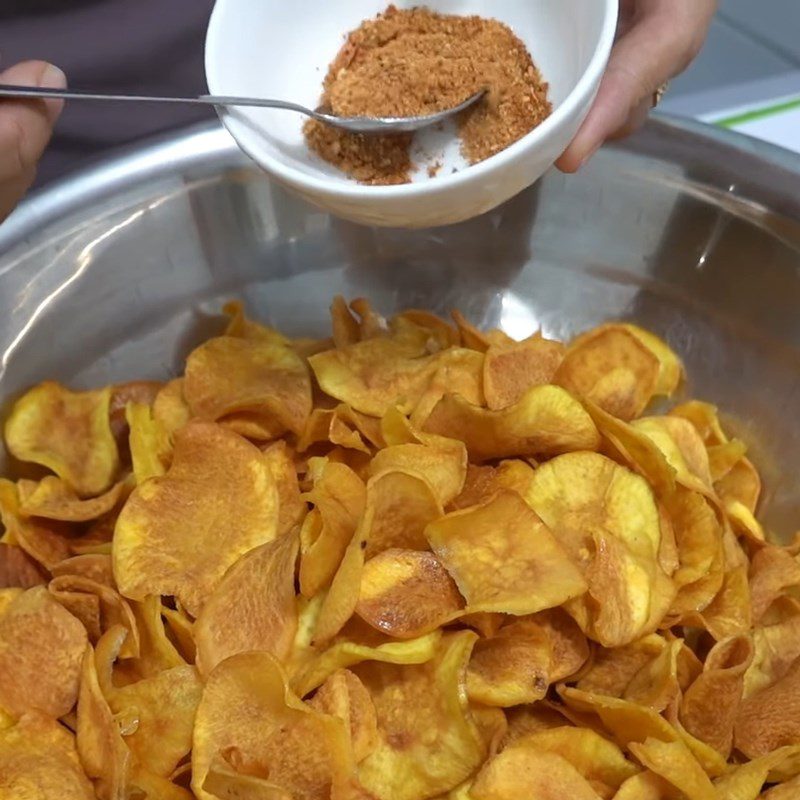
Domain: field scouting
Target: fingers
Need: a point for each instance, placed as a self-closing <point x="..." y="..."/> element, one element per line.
<point x="25" y="129"/>
<point x="662" y="38"/>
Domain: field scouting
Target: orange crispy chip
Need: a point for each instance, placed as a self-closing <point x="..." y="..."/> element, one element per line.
<point x="377" y="374"/>
<point x="682" y="447"/>
<point x="645" y="786"/>
<point x="512" y="667"/>
<point x="143" y="392"/>
<point x="612" y="670"/>
<point x="436" y="332"/>
<point x="744" y="782"/>
<point x="252" y="608"/>
<point x="705" y="418"/>
<point x="248" y="716"/>
<point x="38" y="761"/>
<point x="51" y="498"/>
<point x="44" y="541"/>
<point x="427" y="740"/>
<point x="463" y="377"/>
<point x="546" y="421"/>
<point x="338" y="495"/>
<point x="401" y="506"/>
<point x="569" y="648"/>
<point x="612" y="368"/>
<point x="170" y="409"/>
<point x="292" y="506"/>
<point x="606" y="518"/>
<point x="442" y="462"/>
<point x="770" y="718"/>
<point x="67" y="432"/>
<point x="41" y="647"/>
<point x="722" y="458"/>
<point x="407" y="593"/>
<point x="346" y="330"/>
<point x="504" y="558"/>
<point x="18" y="569"/>
<point x="340" y="426"/>
<point x="710" y="705"/>
<point x="483" y="482"/>
<point x="241" y="327"/>
<point x="150" y="443"/>
<point x="674" y="762"/>
<point x="230" y="375"/>
<point x="596" y="758"/>
<point x="344" y="696"/>
<point x="346" y="652"/>
<point x="671" y="369"/>
<point x="656" y="684"/>
<point x="523" y="770"/>
<point x="478" y="340"/>
<point x="156" y="651"/>
<point x="178" y="534"/>
<point x="510" y="371"/>
<point x="772" y="571"/>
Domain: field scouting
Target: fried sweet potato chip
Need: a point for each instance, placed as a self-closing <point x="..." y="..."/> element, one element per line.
<point x="612" y="670"/>
<point x="744" y="782"/>
<point x="479" y="340"/>
<point x="230" y="375"/>
<point x="510" y="371"/>
<point x="656" y="684"/>
<point x="705" y="418"/>
<point x="170" y="408"/>
<point x="710" y="705"/>
<point x="249" y="716"/>
<point x="252" y="608"/>
<point x="343" y="427"/>
<point x="775" y="649"/>
<point x="407" y="593"/>
<point x="722" y="458"/>
<point x="38" y="761"/>
<point x="645" y="786"/>
<point x="157" y="652"/>
<point x="770" y="718"/>
<point x="41" y="647"/>
<point x="512" y="667"/>
<point x="141" y="392"/>
<point x="401" y="505"/>
<point x="344" y="696"/>
<point x="606" y="518"/>
<point x="773" y="570"/>
<point x="523" y="770"/>
<point x="671" y="369"/>
<point x="427" y="740"/>
<point x="18" y="569"/>
<point x="504" y="558"/>
<point x="483" y="482"/>
<point x="150" y="443"/>
<point x="177" y="535"/>
<point x="67" y="432"/>
<point x="612" y="368"/>
<point x="728" y="614"/>
<point x="742" y="485"/>
<point x="546" y="421"/>
<point x="339" y="496"/>
<point x="674" y="762"/>
<point x="52" y="498"/>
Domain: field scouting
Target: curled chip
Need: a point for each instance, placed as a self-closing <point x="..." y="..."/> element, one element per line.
<point x="341" y="426"/>
<point x="674" y="762"/>
<point x="41" y="647"/>
<point x="150" y="443"/>
<point x="607" y="520"/>
<point x="67" y="432"/>
<point x="428" y="742"/>
<point x="18" y="569"/>
<point x="51" y="498"/>
<point x="248" y="716"/>
<point x="511" y="370"/>
<point x="253" y="607"/>
<point x="503" y="557"/>
<point x="178" y="534"/>
<point x="278" y="458"/>
<point x="512" y="667"/>
<point x="230" y="375"/>
<point x="407" y="593"/>
<point x="142" y="392"/>
<point x="546" y="421"/>
<point x="612" y="368"/>
<point x="38" y="761"/>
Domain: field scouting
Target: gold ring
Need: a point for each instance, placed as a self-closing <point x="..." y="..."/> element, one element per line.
<point x="659" y="93"/>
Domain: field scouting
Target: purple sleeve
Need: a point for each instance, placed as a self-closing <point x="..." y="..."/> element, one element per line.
<point x="143" y="46"/>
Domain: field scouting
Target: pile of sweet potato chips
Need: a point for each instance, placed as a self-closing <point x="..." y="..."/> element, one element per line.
<point x="412" y="561"/>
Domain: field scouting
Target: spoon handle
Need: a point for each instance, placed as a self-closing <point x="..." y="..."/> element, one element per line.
<point x="204" y="99"/>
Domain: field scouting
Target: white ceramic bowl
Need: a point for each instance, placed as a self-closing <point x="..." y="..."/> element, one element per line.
<point x="280" y="49"/>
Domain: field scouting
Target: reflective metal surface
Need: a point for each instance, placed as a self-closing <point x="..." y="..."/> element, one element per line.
<point x="117" y="273"/>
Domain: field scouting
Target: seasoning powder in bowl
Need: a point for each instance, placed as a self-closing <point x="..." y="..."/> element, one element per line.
<point x="415" y="62"/>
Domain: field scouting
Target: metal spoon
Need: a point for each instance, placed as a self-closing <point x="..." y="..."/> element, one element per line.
<point x="366" y="125"/>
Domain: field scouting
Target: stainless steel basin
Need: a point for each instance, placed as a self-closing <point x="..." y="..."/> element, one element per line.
<point x="693" y="233"/>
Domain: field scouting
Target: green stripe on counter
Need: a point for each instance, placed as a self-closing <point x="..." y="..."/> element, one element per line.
<point x="760" y="113"/>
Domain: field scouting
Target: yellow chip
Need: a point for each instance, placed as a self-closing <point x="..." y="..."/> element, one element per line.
<point x="178" y="534"/>
<point x="407" y="593"/>
<point x="510" y="371"/>
<point x="483" y="482"/>
<point x="546" y="421"/>
<point x="427" y="740"/>
<point x="612" y="368"/>
<point x="142" y="392"/>
<point x="674" y="762"/>
<point x="252" y="608"/>
<point x="278" y="458"/>
<point x="742" y="484"/>
<point x="478" y="340"/>
<point x="157" y="652"/>
<point x="512" y="667"/>
<point x="41" y="647"/>
<point x="522" y="770"/>
<point x="503" y="557"/>
<point x="346" y="330"/>
<point x="229" y="375"/>
<point x="340" y="426"/>
<point x="170" y="408"/>
<point x="51" y="498"/>
<point x="67" y="432"/>
<point x="248" y="716"/>
<point x="345" y="697"/>
<point x="38" y="761"/>
<point x="607" y="520"/>
<point x="150" y="443"/>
